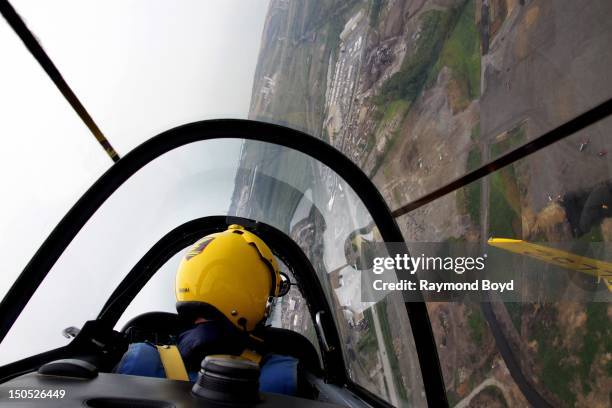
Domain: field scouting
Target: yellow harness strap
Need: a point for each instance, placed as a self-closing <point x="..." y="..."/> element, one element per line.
<point x="251" y="356"/>
<point x="173" y="363"/>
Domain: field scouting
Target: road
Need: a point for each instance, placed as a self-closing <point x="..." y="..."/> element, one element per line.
<point x="344" y="217"/>
<point x="512" y="363"/>
<point x="503" y="345"/>
<point x="464" y="403"/>
<point x="382" y="348"/>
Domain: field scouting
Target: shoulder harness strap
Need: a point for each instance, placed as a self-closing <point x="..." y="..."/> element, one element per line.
<point x="173" y="363"/>
<point x="251" y="356"/>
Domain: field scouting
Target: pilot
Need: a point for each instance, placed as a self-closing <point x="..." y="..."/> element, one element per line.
<point x="225" y="285"/>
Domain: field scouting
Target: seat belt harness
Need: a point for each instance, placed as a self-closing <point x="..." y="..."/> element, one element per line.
<point x="173" y="363"/>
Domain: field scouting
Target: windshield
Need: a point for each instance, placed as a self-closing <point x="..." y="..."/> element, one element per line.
<point x="269" y="183"/>
<point x="145" y="208"/>
<point x="49" y="163"/>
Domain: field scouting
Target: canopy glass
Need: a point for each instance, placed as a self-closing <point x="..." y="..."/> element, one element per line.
<point x="268" y="183"/>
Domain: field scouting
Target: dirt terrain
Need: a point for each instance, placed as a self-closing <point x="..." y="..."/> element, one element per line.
<point x="418" y="92"/>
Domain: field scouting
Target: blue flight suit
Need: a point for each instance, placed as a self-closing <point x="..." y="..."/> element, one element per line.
<point x="278" y="373"/>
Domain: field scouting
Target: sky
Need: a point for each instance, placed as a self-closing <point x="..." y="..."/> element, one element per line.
<point x="139" y="67"/>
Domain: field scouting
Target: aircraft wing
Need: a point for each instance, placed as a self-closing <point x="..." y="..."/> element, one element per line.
<point x="600" y="269"/>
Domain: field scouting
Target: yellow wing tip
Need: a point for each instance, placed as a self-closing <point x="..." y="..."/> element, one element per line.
<point x="493" y="241"/>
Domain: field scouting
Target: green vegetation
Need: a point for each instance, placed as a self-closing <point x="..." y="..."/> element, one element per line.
<point x="375" y="10"/>
<point x="397" y="195"/>
<point x="299" y="98"/>
<point x="477" y="326"/>
<point x="468" y="201"/>
<point x="598" y="338"/>
<point x="475" y="134"/>
<point x="461" y="53"/>
<point x="473" y="190"/>
<point x="367" y="344"/>
<point x="333" y="17"/>
<point x="560" y="374"/>
<point x="371" y="142"/>
<point x="453" y="398"/>
<point x="435" y="48"/>
<point x="385" y="326"/>
<point x="408" y="82"/>
<point x="446" y="37"/>
<point x="317" y="14"/>
<point x="557" y="375"/>
<point x="474" y="159"/>
<point x="504" y="219"/>
<point x="515" y="310"/>
<point x="468" y="198"/>
<point x="381" y="159"/>
<point x="594" y="235"/>
<point x="495" y="394"/>
<point x="333" y="30"/>
<point x="393" y="110"/>
<point x="504" y="198"/>
<point x="513" y="138"/>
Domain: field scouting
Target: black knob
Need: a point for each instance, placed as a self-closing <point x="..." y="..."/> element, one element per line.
<point x="228" y="380"/>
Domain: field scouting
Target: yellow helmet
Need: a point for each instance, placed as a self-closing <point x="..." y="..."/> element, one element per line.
<point x="231" y="272"/>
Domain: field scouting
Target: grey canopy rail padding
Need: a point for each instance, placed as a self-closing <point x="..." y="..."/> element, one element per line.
<point x="32" y="44"/>
<point x="50" y="251"/>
